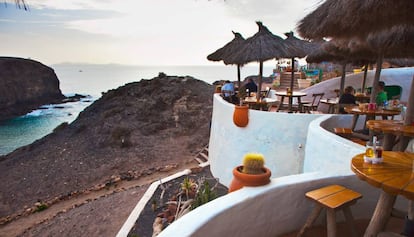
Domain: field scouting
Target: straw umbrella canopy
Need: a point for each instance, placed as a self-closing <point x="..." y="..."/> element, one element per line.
<point x="400" y="62"/>
<point x="365" y="19"/>
<point x="394" y="42"/>
<point x="344" y="18"/>
<point x="338" y="52"/>
<point x="227" y="50"/>
<point x="296" y="48"/>
<point x="260" y="47"/>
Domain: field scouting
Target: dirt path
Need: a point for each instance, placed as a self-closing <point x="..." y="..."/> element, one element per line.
<point x="97" y="213"/>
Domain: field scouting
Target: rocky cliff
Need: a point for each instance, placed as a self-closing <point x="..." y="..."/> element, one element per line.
<point x="128" y="133"/>
<point x="25" y="85"/>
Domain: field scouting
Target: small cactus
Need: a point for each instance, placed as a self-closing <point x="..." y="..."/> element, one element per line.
<point x="253" y="163"/>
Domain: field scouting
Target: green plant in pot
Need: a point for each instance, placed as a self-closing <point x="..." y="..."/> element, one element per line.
<point x="252" y="173"/>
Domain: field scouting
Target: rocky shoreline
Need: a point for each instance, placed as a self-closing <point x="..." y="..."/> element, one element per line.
<point x="129" y="133"/>
<point x="25" y="85"/>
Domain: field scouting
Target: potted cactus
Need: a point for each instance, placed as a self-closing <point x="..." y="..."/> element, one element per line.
<point x="251" y="173"/>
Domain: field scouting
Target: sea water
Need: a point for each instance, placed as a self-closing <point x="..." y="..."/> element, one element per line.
<point x="92" y="80"/>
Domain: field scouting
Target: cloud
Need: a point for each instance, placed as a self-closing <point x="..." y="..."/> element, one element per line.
<point x="141" y="31"/>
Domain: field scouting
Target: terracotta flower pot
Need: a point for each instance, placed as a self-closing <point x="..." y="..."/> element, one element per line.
<point x="241" y="115"/>
<point x="241" y="179"/>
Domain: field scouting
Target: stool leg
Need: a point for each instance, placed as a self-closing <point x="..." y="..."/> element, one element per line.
<point x="331" y="223"/>
<point x="349" y="220"/>
<point x="312" y="217"/>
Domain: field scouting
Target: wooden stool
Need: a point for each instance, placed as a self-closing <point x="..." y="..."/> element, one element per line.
<point x="343" y="132"/>
<point x="332" y="198"/>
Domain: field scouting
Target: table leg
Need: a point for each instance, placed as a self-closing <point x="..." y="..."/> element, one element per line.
<point x="388" y="143"/>
<point x="290" y="104"/>
<point x="354" y="121"/>
<point x="381" y="214"/>
<point x="410" y="214"/>
<point x="282" y="98"/>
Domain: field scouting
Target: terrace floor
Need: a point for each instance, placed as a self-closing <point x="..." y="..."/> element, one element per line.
<point x="395" y="225"/>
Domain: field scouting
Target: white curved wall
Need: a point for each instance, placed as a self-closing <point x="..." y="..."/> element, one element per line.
<point x="280" y="137"/>
<point x="327" y="152"/>
<point x="271" y="210"/>
<point x="279" y="207"/>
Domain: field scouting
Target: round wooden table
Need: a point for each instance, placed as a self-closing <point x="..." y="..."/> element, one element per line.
<point x="394" y="177"/>
<point x="370" y="114"/>
<point x="332" y="102"/>
<point x="391" y="129"/>
<point x="294" y="94"/>
<point x="262" y="104"/>
<point x="362" y="98"/>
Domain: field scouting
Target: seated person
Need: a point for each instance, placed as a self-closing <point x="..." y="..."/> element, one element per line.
<point x="227" y="90"/>
<point x="381" y="97"/>
<point x="251" y="86"/>
<point x="347" y="98"/>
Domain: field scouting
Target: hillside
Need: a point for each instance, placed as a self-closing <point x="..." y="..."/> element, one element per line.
<point x="128" y="133"/>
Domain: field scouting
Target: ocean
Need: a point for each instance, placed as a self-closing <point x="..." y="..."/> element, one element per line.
<point x="92" y="80"/>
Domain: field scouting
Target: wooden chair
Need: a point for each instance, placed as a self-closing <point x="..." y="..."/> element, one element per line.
<point x="332" y="198"/>
<point x="312" y="106"/>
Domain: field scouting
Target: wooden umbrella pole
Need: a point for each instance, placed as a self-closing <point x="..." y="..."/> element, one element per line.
<point x="291" y="84"/>
<point x="342" y="85"/>
<point x="259" y="83"/>
<point x="364" y="81"/>
<point x="238" y="75"/>
<point x="409" y="113"/>
<point x="376" y="78"/>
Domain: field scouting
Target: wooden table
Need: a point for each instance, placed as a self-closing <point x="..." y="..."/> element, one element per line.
<point x="391" y="129"/>
<point x="262" y="104"/>
<point x="362" y="98"/>
<point x="332" y="103"/>
<point x="394" y="177"/>
<point x="294" y="94"/>
<point x="370" y="114"/>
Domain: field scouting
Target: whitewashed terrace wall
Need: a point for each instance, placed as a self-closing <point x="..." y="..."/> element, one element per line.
<point x="281" y="137"/>
<point x="279" y="207"/>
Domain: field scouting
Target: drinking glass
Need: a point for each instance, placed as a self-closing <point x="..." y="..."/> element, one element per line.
<point x="369" y="150"/>
<point x="378" y="150"/>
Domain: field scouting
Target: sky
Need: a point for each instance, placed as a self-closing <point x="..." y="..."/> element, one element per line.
<point x="138" y="32"/>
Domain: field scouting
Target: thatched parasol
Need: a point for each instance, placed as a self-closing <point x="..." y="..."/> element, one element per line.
<point x="260" y="47"/>
<point x="400" y="62"/>
<point x="361" y="18"/>
<point x="393" y="42"/>
<point x="337" y="51"/>
<point x="227" y="50"/>
<point x="345" y="18"/>
<point x="296" y="48"/>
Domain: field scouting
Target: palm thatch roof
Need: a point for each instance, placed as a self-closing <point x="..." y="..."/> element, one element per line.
<point x="339" y="51"/>
<point x="394" y="42"/>
<point x="260" y="47"/>
<point x="342" y="51"/>
<point x="297" y="47"/>
<point x="345" y="18"/>
<point x="225" y="52"/>
<point x="228" y="49"/>
<point x="400" y="62"/>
